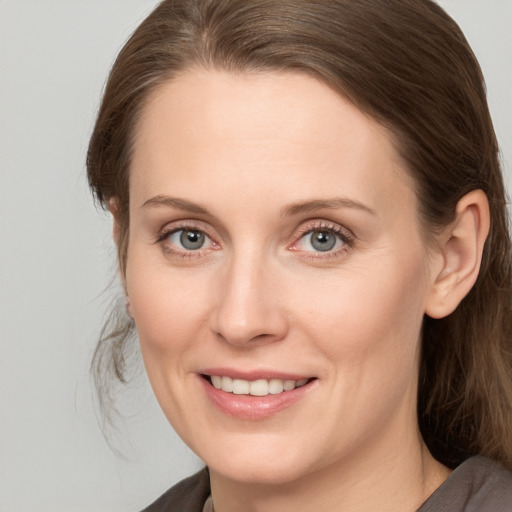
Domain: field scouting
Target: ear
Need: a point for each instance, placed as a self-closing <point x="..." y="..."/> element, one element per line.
<point x="459" y="254"/>
<point x="113" y="208"/>
<point x="120" y="241"/>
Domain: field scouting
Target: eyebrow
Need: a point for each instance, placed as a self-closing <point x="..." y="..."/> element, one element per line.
<point x="289" y="210"/>
<point x="174" y="202"/>
<point x="321" y="204"/>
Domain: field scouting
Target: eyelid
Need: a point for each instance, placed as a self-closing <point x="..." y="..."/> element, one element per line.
<point x="181" y="225"/>
<point x="176" y="225"/>
<point x="345" y="234"/>
<point x="319" y="224"/>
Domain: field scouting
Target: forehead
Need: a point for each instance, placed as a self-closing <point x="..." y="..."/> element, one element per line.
<point x="260" y="132"/>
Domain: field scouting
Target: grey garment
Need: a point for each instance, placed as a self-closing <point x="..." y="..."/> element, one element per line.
<point x="477" y="485"/>
<point x="189" y="495"/>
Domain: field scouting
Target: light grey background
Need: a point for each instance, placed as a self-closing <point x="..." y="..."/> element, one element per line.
<point x="56" y="256"/>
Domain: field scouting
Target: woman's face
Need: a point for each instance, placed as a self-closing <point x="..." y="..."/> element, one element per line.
<point x="275" y="249"/>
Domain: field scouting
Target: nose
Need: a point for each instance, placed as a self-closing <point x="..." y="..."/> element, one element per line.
<point x="248" y="307"/>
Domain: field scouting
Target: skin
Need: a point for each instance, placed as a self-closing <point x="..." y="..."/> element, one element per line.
<point x="257" y="296"/>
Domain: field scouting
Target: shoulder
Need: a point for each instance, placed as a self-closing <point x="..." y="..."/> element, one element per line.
<point x="188" y="495"/>
<point x="477" y="485"/>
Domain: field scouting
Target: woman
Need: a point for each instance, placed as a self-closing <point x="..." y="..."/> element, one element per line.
<point x="312" y="236"/>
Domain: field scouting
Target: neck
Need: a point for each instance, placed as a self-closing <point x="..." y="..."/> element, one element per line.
<point x="385" y="477"/>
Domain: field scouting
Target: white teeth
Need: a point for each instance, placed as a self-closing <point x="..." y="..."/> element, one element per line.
<point x="260" y="387"/>
<point x="240" y="387"/>
<point x="227" y="384"/>
<point x="288" y="385"/>
<point x="275" y="386"/>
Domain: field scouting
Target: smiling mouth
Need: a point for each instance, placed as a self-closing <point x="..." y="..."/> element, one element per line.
<point x="259" y="387"/>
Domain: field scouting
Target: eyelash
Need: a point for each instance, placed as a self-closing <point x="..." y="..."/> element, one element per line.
<point x="343" y="234"/>
<point x="172" y="250"/>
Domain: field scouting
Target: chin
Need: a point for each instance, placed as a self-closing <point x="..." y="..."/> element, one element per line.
<point x="258" y="474"/>
<point x="261" y="466"/>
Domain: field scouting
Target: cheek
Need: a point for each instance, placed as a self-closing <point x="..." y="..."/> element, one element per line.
<point x="169" y="312"/>
<point x="370" y="318"/>
<point x="166" y="320"/>
<point x="168" y="305"/>
<point x="369" y="330"/>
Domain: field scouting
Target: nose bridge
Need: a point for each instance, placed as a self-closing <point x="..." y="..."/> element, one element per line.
<point x="248" y="308"/>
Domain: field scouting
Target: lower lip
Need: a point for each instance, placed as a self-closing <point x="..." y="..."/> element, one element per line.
<point x="254" y="407"/>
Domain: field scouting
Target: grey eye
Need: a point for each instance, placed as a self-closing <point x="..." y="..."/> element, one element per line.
<point x="189" y="239"/>
<point x="323" y="240"/>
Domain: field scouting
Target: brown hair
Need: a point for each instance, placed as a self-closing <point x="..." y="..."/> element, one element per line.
<point x="407" y="64"/>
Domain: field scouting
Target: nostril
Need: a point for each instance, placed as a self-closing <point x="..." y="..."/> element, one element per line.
<point x="261" y="336"/>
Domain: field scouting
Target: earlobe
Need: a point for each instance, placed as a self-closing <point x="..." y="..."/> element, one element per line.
<point x="460" y="248"/>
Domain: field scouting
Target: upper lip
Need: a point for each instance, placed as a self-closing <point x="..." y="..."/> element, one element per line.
<point x="252" y="375"/>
